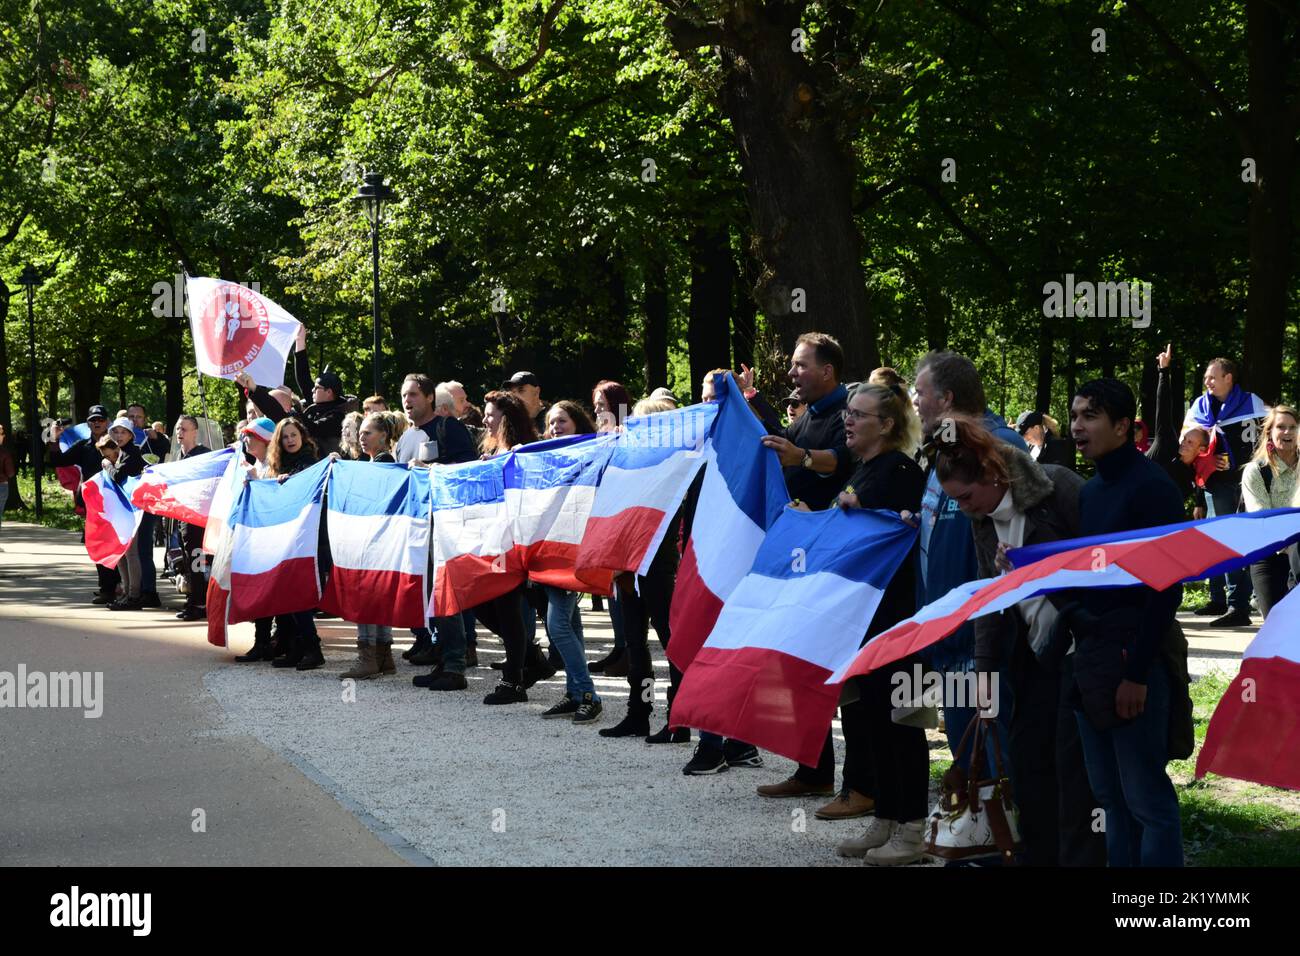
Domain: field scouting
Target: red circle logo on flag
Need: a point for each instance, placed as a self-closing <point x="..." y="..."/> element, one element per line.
<point x="234" y="324"/>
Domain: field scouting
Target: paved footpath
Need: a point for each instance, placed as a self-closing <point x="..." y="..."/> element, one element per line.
<point x="289" y="768"/>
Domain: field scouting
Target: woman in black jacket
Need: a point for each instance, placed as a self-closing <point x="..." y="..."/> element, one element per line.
<point x="292" y="451"/>
<point x="1013" y="501"/>
<point x="886" y="765"/>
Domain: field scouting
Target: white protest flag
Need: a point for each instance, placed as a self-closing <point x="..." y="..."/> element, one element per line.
<point x="238" y="330"/>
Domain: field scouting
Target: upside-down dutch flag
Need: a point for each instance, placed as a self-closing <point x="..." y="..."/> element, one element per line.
<point x="1155" y="557"/>
<point x="274" y="540"/>
<point x="742" y="492"/>
<point x="550" y="488"/>
<point x="474" y="554"/>
<point x="1254" y="733"/>
<point x="183" y="489"/>
<point x="378" y="525"/>
<point x="224" y="496"/>
<point x="795" y="618"/>
<point x="111" y="521"/>
<point x="650" y="468"/>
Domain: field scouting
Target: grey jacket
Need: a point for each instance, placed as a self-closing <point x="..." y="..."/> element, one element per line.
<point x="1049" y="497"/>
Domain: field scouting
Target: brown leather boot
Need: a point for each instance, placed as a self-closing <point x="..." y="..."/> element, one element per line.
<point x="385" y="659"/>
<point x="367" y="665"/>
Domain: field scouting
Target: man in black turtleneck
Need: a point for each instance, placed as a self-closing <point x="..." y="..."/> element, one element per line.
<point x="1126" y="760"/>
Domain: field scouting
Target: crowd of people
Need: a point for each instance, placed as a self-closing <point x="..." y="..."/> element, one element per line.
<point x="1086" y="692"/>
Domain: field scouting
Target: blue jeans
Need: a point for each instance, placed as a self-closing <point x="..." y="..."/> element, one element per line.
<point x="374" y="634"/>
<point x="450" y="634"/>
<point x="1126" y="768"/>
<point x="144" y="546"/>
<point x="1223" y="501"/>
<point x="467" y="620"/>
<point x="616" y="621"/>
<point x="565" y="627"/>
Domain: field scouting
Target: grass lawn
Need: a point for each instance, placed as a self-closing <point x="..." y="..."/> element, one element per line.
<point x="56" y="504"/>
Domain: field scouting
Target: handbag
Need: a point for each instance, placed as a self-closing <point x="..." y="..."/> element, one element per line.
<point x="976" y="815"/>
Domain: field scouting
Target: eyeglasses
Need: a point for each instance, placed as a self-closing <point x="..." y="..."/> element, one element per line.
<point x="853" y="415"/>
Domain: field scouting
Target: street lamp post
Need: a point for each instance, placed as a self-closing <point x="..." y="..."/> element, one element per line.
<point x="30" y="280"/>
<point x="373" y="194"/>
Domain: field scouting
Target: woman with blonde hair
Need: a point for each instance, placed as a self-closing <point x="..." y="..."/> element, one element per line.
<point x="909" y="439"/>
<point x="349" y="443"/>
<point x="1269" y="481"/>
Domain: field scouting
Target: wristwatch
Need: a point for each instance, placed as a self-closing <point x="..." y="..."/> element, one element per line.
<point x="807" y="458"/>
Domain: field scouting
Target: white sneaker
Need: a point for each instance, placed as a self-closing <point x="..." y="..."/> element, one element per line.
<point x="906" y="845"/>
<point x="877" y="834"/>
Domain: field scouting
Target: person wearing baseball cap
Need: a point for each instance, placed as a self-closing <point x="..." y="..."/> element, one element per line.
<point x="662" y="394"/>
<point x="1042" y="435"/>
<point x="257" y="436"/>
<point x="85" y="456"/>
<point x="528" y="388"/>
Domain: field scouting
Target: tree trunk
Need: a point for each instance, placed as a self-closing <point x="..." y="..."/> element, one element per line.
<point x="52" y="396"/>
<point x="743" y="325"/>
<point x="655" y="340"/>
<point x="708" y="331"/>
<point x="5" y="416"/>
<point x="1046" y="369"/>
<point x="87" y="383"/>
<point x="798" y="179"/>
<point x="1271" y="134"/>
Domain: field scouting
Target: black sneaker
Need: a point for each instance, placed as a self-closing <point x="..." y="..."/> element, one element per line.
<point x="708" y="759"/>
<point x="310" y="660"/>
<point x="1211" y="610"/>
<point x="567" y="707"/>
<point x="498" y="665"/>
<point x="425" y="680"/>
<point x="448" y="681"/>
<point x="507" y="693"/>
<point x="430" y="656"/>
<point x="629" y="726"/>
<point x="125" y="604"/>
<point x="150" y="599"/>
<point x="471" y="656"/>
<point x="102" y="598"/>
<point x="740" y="754"/>
<point x="1234" y="618"/>
<point x="682" y="735"/>
<point x="588" y="711"/>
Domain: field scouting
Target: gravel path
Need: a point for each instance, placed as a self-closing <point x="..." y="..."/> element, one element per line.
<point x="470" y="784"/>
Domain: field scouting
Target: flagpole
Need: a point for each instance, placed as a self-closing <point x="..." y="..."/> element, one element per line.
<point x="203" y="399"/>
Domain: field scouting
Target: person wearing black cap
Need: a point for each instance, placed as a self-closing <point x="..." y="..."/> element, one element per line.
<point x="1043" y="438"/>
<point x="84" y="455"/>
<point x="528" y="388"/>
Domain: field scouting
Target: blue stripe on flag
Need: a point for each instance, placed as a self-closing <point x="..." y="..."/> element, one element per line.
<point x="652" y="439"/>
<point x="752" y="472"/>
<point x="471" y="483"/>
<point x="570" y="464"/>
<point x="370" y="488"/>
<point x="860" y="545"/>
<point x="267" y="503"/>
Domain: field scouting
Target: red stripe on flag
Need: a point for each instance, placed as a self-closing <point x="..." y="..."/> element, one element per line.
<point x="554" y="563"/>
<point x="618" y="542"/>
<point x="1164" y="561"/>
<point x="289" y="587"/>
<point x="154" y="499"/>
<point x="216" y="601"/>
<point x="694" y="612"/>
<point x="764" y="697"/>
<point x="386" y="598"/>
<point x="1255" y="731"/>
<point x="468" y="580"/>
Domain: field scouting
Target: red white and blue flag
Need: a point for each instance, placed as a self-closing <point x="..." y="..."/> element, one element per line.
<point x="274" y="531"/>
<point x="742" y="492"/>
<point x="474" y="555"/>
<point x="650" y="468"/>
<point x="1155" y="557"/>
<point x="797" y="616"/>
<point x="550" y="488"/>
<point x="111" y="521"/>
<point x="378" y="527"/>
<point x="1254" y="733"/>
<point x="183" y="489"/>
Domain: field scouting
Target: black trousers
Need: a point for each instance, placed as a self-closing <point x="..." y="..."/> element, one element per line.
<point x="503" y="616"/>
<point x="1272" y="580"/>
<point x="1048" y="777"/>
<point x="108" y="579"/>
<point x="639" y="611"/>
<point x="197" y="591"/>
<point x="857" y="772"/>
